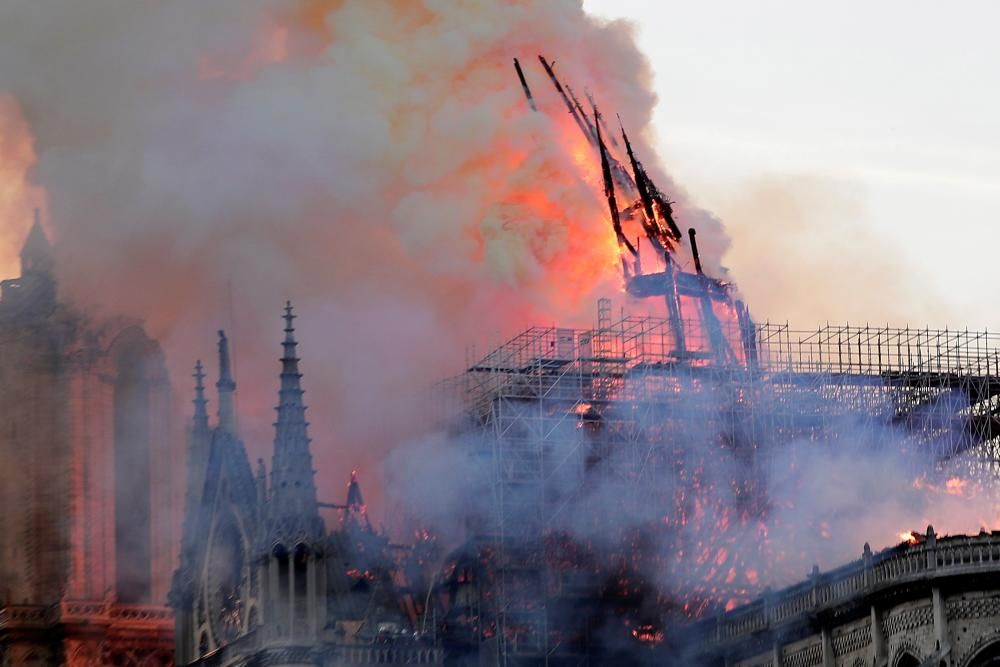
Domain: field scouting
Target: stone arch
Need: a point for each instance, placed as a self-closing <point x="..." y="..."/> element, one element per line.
<point x="300" y="576"/>
<point x="282" y="594"/>
<point x="83" y="655"/>
<point x="124" y="658"/>
<point x="138" y="372"/>
<point x="249" y="570"/>
<point x="987" y="654"/>
<point x="906" y="659"/>
<point x="282" y="557"/>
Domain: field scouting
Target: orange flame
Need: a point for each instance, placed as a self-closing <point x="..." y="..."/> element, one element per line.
<point x="18" y="196"/>
<point x="955" y="486"/>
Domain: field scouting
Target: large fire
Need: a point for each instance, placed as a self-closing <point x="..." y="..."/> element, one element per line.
<point x="391" y="170"/>
<point x="18" y="195"/>
<point x="396" y="181"/>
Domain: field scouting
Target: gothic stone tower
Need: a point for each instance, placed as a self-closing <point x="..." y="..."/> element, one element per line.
<point x="261" y="581"/>
<point x="293" y="539"/>
<point x="86" y="527"/>
<point x="215" y="590"/>
<point x="252" y="559"/>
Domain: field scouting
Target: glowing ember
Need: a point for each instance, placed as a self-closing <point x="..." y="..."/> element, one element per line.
<point x="955" y="486"/>
<point x="648" y="634"/>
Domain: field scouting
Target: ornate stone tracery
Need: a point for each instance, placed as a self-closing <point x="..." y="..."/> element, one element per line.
<point x="934" y="602"/>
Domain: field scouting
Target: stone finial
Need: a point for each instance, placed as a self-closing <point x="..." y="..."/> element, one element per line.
<point x="200" y="414"/>
<point x="226" y="387"/>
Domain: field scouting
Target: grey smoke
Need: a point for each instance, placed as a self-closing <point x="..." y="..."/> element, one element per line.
<point x="817" y="500"/>
<point x="367" y="160"/>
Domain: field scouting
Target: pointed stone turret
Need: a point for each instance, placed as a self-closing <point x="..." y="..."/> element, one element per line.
<point x="200" y="420"/>
<point x="226" y="387"/>
<point x="36" y="253"/>
<point x="199" y="442"/>
<point x="34" y="291"/>
<point x="293" y="509"/>
<point x="294" y="567"/>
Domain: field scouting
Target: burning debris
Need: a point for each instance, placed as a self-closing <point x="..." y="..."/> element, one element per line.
<point x="679" y="290"/>
<point x="625" y="477"/>
<point x="655" y="470"/>
<point x="650" y="489"/>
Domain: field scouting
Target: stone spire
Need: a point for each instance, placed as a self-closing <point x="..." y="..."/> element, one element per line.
<point x="200" y="420"/>
<point x="36" y="253"/>
<point x="226" y="387"/>
<point x="199" y="440"/>
<point x="293" y="511"/>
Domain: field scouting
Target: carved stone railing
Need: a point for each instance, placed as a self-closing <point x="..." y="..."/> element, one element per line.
<point x="142" y="614"/>
<point x="387" y="655"/>
<point x="86" y="611"/>
<point x="929" y="558"/>
<point x="25" y="616"/>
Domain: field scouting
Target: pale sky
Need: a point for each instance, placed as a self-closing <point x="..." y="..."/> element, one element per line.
<point x="867" y="133"/>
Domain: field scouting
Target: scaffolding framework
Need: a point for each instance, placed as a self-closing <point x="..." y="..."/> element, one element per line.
<point x="553" y="406"/>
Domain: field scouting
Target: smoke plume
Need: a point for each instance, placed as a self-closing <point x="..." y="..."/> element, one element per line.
<point x="724" y="506"/>
<point x="374" y="162"/>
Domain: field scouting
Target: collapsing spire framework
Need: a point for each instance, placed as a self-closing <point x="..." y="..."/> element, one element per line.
<point x="641" y="404"/>
<point x="680" y="290"/>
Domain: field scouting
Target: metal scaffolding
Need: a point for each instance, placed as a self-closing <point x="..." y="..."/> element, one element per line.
<point x="557" y="409"/>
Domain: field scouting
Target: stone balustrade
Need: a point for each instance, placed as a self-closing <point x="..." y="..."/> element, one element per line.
<point x="85" y="611"/>
<point x="931" y="557"/>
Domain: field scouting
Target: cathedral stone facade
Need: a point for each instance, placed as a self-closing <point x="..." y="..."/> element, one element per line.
<point x="262" y="581"/>
<point x="87" y="535"/>
<point x="934" y="602"/>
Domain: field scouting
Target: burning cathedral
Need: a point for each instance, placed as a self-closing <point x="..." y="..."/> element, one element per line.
<point x="622" y="497"/>
<point x="621" y="475"/>
<point x="603" y="537"/>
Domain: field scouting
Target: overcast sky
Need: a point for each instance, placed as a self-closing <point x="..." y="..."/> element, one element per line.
<point x="852" y="148"/>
